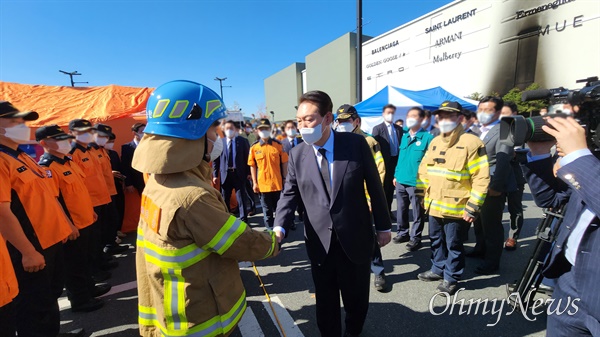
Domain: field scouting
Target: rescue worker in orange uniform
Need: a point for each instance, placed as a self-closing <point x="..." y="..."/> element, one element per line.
<point x="112" y="224"/>
<point x="188" y="244"/>
<point x="35" y="226"/>
<point x="268" y="166"/>
<point x="77" y="204"/>
<point x="96" y="184"/>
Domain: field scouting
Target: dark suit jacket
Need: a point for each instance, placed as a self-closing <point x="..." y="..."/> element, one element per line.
<point x="133" y="177"/>
<point x="500" y="156"/>
<point x="578" y="185"/>
<point x="347" y="212"/>
<point x="242" y="150"/>
<point x="287" y="147"/>
<point x="381" y="135"/>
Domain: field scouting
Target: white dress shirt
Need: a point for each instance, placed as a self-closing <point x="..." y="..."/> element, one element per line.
<point x="486" y="128"/>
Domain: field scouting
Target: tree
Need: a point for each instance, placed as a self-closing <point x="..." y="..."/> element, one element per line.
<point x="525" y="108"/>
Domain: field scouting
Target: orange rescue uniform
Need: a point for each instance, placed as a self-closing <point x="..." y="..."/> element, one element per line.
<point x="36" y="196"/>
<point x="104" y="161"/>
<point x="94" y="178"/>
<point x="69" y="179"/>
<point x="9" y="288"/>
<point x="268" y="157"/>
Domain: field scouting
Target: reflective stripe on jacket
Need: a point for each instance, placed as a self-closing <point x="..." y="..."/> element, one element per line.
<point x="454" y="175"/>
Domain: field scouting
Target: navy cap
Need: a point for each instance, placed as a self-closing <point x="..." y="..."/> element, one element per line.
<point x="51" y="131"/>
<point x="7" y="110"/>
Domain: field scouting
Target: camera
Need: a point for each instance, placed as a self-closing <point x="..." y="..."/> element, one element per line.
<point x="518" y="130"/>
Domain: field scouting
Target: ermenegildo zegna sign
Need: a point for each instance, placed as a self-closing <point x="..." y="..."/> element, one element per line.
<point x="487" y="46"/>
<point x="552" y="5"/>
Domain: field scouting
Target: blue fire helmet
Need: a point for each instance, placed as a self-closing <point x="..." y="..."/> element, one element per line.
<point x="183" y="109"/>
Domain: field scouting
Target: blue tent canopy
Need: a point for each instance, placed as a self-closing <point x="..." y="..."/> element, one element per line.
<point x="404" y="99"/>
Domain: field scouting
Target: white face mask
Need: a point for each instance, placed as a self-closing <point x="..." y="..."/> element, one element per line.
<point x="64" y="146"/>
<point x="447" y="126"/>
<point x="345" y="127"/>
<point x="312" y="135"/>
<point x="248" y="130"/>
<point x="485" y="118"/>
<point x="411" y="122"/>
<point x="101" y="141"/>
<point x="216" y="150"/>
<point x="109" y="146"/>
<point x="229" y="133"/>
<point x="388" y="117"/>
<point x="424" y="123"/>
<point x="19" y="134"/>
<point x="567" y="112"/>
<point x="85" y="138"/>
<point x="290" y="133"/>
<point x="264" y="134"/>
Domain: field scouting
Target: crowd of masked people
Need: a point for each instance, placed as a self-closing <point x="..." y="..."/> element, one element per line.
<point x="446" y="167"/>
<point x="61" y="219"/>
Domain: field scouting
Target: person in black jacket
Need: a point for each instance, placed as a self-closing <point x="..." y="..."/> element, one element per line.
<point x="115" y="163"/>
<point x="329" y="171"/>
<point x="134" y="180"/>
<point x="388" y="135"/>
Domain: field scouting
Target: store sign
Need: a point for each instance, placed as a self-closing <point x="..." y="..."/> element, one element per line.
<point x="384" y="47"/>
<point x="458" y="18"/>
<point x="552" y="5"/>
<point x="448" y="39"/>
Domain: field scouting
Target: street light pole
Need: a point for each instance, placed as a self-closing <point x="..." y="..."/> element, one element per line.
<point x="71" y="74"/>
<point x="221" y="85"/>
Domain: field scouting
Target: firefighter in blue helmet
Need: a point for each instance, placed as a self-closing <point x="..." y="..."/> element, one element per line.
<point x="188" y="244"/>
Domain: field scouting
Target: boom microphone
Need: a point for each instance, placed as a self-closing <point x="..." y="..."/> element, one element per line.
<point x="532" y="95"/>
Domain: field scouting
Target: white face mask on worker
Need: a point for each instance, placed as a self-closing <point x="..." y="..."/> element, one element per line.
<point x="63" y="146"/>
<point x="19" y="134"/>
<point x="447" y="126"/>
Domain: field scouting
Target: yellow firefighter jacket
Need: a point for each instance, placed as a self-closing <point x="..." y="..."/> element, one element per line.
<point x="454" y="175"/>
<point x="188" y="249"/>
<point x="376" y="150"/>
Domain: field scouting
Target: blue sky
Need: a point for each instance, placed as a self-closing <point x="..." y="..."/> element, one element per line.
<point x="146" y="43"/>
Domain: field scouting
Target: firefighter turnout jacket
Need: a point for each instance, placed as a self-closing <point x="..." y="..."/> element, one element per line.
<point x="454" y="175"/>
<point x="188" y="249"/>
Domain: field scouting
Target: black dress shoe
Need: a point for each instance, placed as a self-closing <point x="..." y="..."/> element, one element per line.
<point x="101" y="276"/>
<point x="74" y="333"/>
<point x="108" y="265"/>
<point x="429" y="276"/>
<point x="89" y="306"/>
<point x="379" y="282"/>
<point x="401" y="239"/>
<point x="413" y="245"/>
<point x="485" y="269"/>
<point x="101" y="289"/>
<point x="447" y="287"/>
<point x="116" y="249"/>
<point x="475" y="253"/>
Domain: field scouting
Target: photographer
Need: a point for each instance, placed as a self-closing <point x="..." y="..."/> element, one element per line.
<point x="573" y="259"/>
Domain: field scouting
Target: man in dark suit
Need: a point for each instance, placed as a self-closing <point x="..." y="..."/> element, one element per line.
<point x="328" y="171"/>
<point x="292" y="140"/>
<point x="573" y="260"/>
<point x="134" y="180"/>
<point x="232" y="168"/>
<point x="489" y="232"/>
<point x="388" y="135"/>
<point x="115" y="163"/>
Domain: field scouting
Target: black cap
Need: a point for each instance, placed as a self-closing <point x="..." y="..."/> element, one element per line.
<point x="346" y="111"/>
<point x="106" y="130"/>
<point x="112" y="137"/>
<point x="51" y="131"/>
<point x="7" y="110"/>
<point x="449" y="106"/>
<point x="264" y="122"/>
<point x="80" y="125"/>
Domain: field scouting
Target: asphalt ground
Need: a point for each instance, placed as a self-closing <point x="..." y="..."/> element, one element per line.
<point x="405" y="309"/>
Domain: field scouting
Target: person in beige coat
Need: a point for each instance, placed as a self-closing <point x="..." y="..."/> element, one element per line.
<point x="188" y="244"/>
